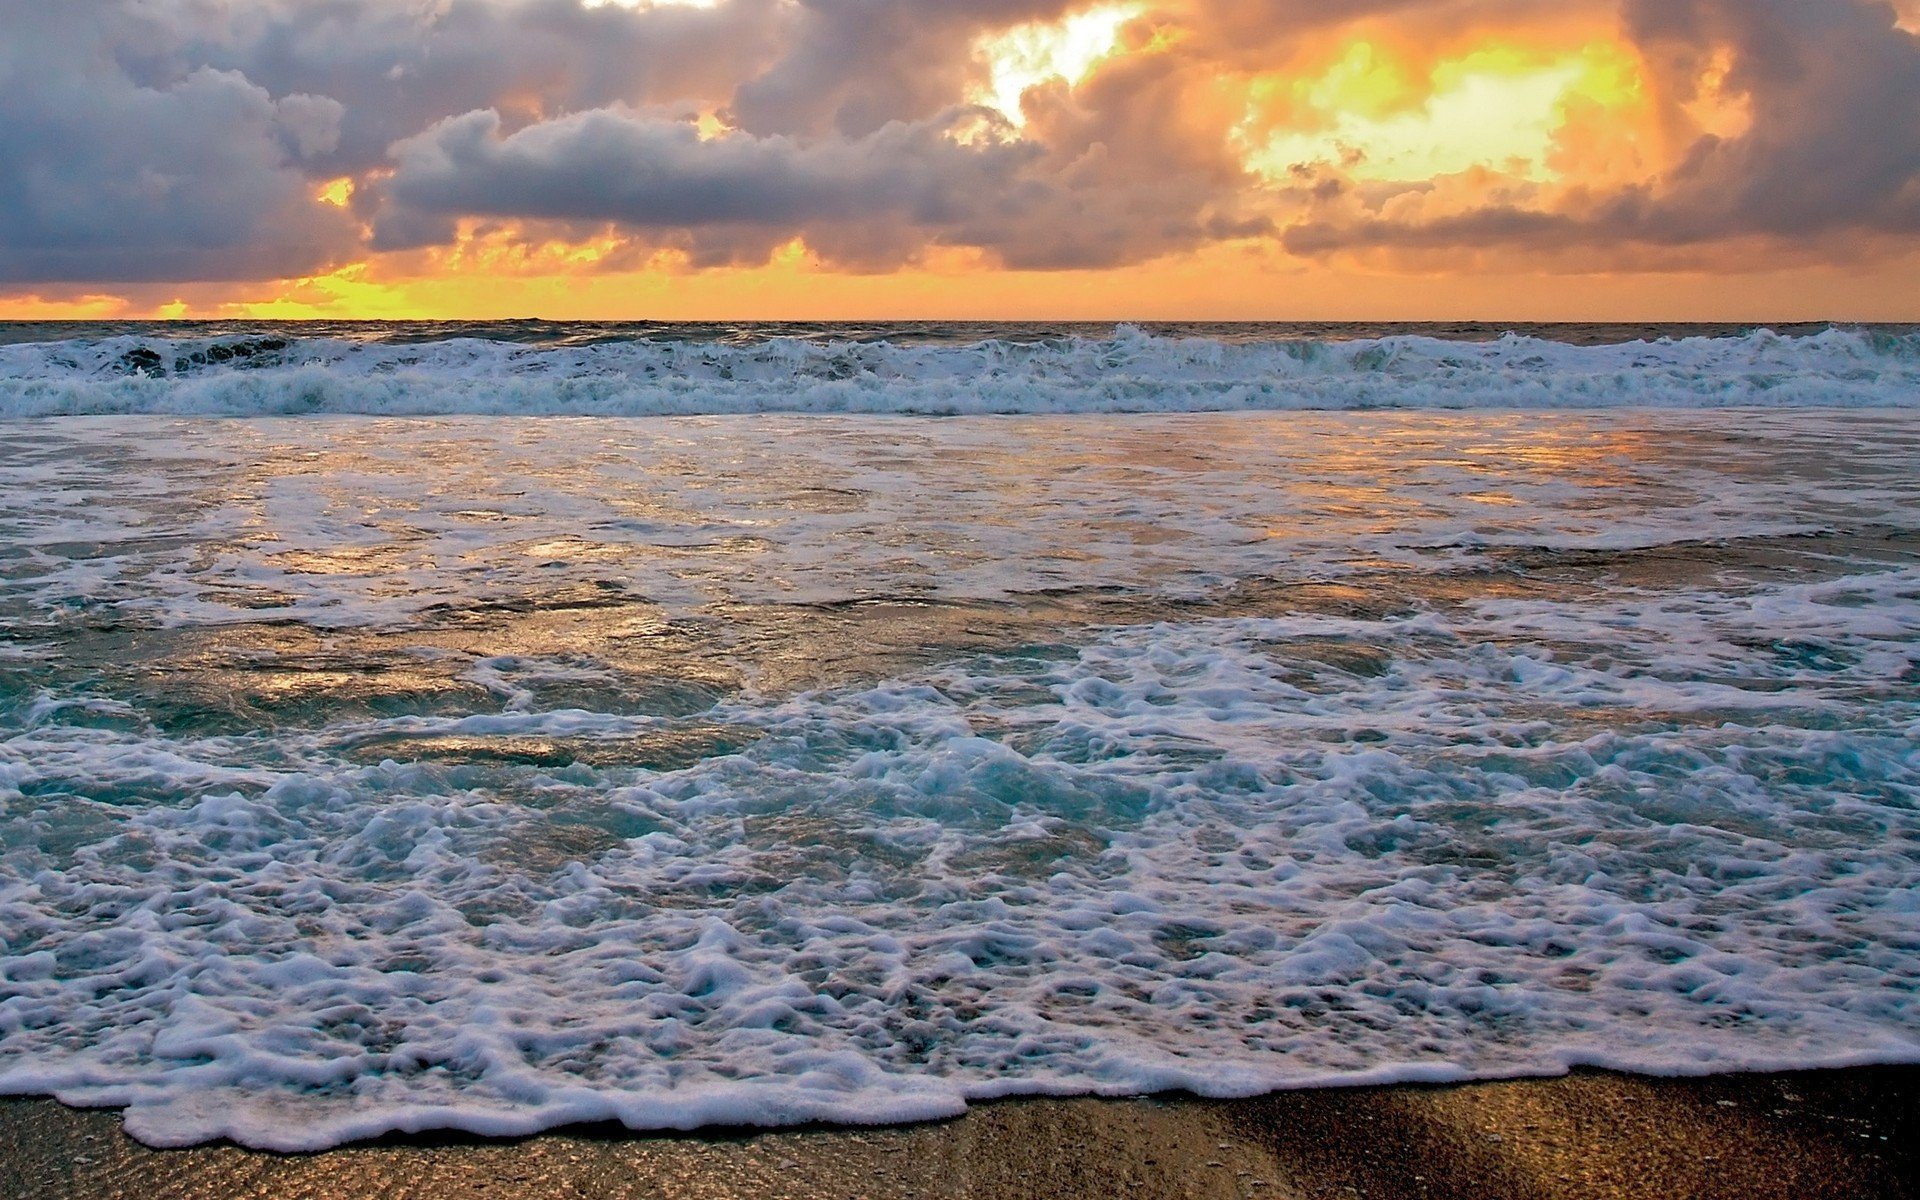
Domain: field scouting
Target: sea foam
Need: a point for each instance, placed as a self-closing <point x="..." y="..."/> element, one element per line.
<point x="1662" y="834"/>
<point x="1128" y="372"/>
<point x="367" y="775"/>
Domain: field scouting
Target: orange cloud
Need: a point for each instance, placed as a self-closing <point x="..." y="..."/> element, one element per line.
<point x="33" y="306"/>
<point x="1135" y="157"/>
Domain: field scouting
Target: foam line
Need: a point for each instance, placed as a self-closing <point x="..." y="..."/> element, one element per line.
<point x="1129" y="372"/>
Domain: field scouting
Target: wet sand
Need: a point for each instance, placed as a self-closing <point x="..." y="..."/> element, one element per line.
<point x="1844" y="1134"/>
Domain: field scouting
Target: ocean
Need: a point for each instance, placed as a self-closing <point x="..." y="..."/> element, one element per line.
<point x="494" y="727"/>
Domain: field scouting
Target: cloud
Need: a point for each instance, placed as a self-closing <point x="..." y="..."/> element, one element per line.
<point x="162" y="140"/>
<point x="1830" y="95"/>
<point x="651" y="173"/>
<point x="400" y="66"/>
<point x="868" y="156"/>
<point x="868" y="202"/>
<point x="186" y="139"/>
<point x="852" y="66"/>
<point x="103" y="178"/>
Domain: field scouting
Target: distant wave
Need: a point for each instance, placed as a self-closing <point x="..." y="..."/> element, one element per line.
<point x="266" y="374"/>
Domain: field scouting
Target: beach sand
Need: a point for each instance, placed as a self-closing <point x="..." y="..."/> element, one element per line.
<point x="1851" y="1133"/>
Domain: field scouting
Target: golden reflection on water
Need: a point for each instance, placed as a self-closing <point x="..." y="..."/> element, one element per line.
<point x="1318" y="465"/>
<point x="708" y="546"/>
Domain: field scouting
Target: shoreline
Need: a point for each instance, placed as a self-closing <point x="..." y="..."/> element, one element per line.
<point x="1851" y="1132"/>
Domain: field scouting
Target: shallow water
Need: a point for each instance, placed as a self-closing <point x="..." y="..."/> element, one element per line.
<point x="361" y="774"/>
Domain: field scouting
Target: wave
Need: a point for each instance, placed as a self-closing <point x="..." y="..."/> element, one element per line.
<point x="1229" y="856"/>
<point x="1130" y="371"/>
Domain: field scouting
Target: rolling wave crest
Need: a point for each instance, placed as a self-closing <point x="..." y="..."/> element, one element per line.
<point x="1129" y="371"/>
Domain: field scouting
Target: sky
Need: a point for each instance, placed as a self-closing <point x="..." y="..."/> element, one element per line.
<point x="987" y="159"/>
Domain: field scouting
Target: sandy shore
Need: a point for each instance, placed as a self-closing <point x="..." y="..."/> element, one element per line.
<point x="1852" y="1134"/>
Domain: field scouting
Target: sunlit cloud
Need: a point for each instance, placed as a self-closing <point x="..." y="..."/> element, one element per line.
<point x="1026" y="55"/>
<point x="34" y="306"/>
<point x="337" y="192"/>
<point x="1496" y="108"/>
<point x="329" y="156"/>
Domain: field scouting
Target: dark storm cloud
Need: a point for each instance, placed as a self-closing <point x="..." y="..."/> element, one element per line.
<point x="1833" y="146"/>
<point x="1835" y="140"/>
<point x="646" y="172"/>
<point x="869" y="202"/>
<point x="400" y="66"/>
<point x="102" y="178"/>
<point x="184" y="139"/>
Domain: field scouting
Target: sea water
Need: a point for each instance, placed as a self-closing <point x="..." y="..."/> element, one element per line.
<point x="1499" y="706"/>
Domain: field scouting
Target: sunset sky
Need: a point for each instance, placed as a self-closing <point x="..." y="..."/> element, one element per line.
<point x="825" y="159"/>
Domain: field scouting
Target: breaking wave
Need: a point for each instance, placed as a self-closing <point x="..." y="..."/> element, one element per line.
<point x="1160" y="860"/>
<point x="1128" y="371"/>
